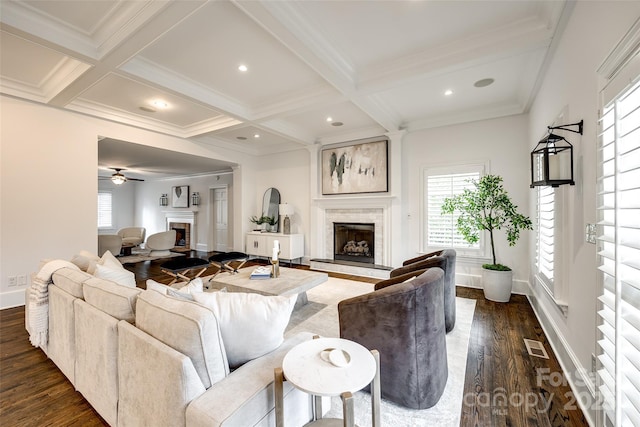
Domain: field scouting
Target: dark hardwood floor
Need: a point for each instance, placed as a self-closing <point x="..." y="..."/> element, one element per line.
<point x="504" y="385"/>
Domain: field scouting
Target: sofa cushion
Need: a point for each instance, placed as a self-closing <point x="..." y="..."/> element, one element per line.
<point x="70" y="280"/>
<point x="187" y="327"/>
<point x="193" y="286"/>
<point x="116" y="300"/>
<point x="118" y="275"/>
<point x="252" y="324"/>
<point x="85" y="259"/>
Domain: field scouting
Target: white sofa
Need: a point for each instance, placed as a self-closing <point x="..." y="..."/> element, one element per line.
<point x="141" y="358"/>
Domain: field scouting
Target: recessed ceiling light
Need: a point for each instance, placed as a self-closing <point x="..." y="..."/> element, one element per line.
<point x="147" y="109"/>
<point x="448" y="92"/>
<point x="337" y="124"/>
<point x="483" y="82"/>
<point x="241" y="138"/>
<point x="257" y="135"/>
<point x="329" y="119"/>
<point x="160" y="104"/>
<point x="242" y="68"/>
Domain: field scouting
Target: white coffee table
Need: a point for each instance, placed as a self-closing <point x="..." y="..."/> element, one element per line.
<point x="331" y="367"/>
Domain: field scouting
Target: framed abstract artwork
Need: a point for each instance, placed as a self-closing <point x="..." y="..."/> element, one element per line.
<point x="358" y="168"/>
<point x="180" y="196"/>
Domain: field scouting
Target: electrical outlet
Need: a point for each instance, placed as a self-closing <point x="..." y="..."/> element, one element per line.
<point x="13" y="280"/>
<point x="22" y="280"/>
<point x="594" y="363"/>
<point x="590" y="233"/>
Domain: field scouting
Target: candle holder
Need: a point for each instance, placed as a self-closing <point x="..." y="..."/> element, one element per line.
<point x="275" y="268"/>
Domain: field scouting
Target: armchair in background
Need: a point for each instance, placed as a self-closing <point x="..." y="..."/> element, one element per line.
<point x="404" y="320"/>
<point x="132" y="235"/>
<point x="109" y="242"/>
<point x="160" y="243"/>
<point x="446" y="260"/>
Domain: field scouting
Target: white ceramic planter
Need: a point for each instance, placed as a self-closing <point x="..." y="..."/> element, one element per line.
<point x="497" y="285"/>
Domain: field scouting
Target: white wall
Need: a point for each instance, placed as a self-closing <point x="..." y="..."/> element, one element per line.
<point x="48" y="184"/>
<point x="289" y="173"/>
<point x="500" y="142"/>
<point x="571" y="84"/>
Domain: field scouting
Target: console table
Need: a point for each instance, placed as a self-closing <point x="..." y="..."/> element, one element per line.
<point x="261" y="244"/>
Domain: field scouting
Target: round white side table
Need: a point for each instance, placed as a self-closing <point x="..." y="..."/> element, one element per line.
<point x="330" y="367"/>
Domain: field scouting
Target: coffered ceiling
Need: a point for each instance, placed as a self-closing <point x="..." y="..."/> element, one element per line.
<point x="371" y="66"/>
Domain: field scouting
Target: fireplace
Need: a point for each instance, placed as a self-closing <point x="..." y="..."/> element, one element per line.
<point x="354" y="242"/>
<point x="183" y="234"/>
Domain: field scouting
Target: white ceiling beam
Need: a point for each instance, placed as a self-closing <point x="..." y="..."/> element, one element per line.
<point x="294" y="31"/>
<point x="167" y="18"/>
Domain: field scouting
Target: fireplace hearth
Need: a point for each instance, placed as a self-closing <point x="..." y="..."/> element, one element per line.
<point x="354" y="242"/>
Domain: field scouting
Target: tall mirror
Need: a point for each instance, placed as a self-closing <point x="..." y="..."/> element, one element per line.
<point x="270" y="202"/>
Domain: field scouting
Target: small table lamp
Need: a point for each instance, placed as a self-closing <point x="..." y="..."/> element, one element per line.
<point x="286" y="210"/>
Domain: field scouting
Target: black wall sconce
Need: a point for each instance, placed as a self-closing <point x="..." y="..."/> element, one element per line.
<point x="195" y="198"/>
<point x="552" y="159"/>
<point x="164" y="200"/>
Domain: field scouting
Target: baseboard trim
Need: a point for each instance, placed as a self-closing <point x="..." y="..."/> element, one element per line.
<point x="576" y="374"/>
<point x="12" y="299"/>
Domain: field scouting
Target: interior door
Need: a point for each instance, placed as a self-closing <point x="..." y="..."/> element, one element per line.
<point x="220" y="220"/>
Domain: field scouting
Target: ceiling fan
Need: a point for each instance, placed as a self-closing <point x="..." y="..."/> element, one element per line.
<point x="118" y="178"/>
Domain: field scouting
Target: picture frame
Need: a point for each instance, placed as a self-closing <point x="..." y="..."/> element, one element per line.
<point x="180" y="196"/>
<point x="356" y="168"/>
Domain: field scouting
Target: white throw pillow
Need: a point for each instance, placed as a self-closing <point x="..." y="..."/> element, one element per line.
<point x="107" y="260"/>
<point x="193" y="286"/>
<point x="252" y="325"/>
<point x="158" y="287"/>
<point x="84" y="259"/>
<point x="118" y="275"/>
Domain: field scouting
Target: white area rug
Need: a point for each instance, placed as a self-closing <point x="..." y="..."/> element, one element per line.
<point x="321" y="317"/>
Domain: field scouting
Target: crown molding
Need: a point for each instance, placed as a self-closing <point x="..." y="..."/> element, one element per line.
<point x="487" y="113"/>
<point x="503" y="42"/>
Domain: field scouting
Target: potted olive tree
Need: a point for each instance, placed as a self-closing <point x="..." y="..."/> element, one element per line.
<point x="488" y="207"/>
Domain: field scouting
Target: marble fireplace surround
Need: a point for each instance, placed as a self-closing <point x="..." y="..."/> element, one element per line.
<point x="376" y="210"/>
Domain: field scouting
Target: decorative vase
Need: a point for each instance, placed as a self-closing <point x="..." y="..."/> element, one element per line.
<point x="497" y="285"/>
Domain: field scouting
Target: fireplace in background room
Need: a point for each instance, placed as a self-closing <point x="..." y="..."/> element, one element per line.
<point x="354" y="242"/>
<point x="183" y="234"/>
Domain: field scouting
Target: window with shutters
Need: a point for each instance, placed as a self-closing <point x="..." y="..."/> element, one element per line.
<point x="618" y="243"/>
<point x="440" y="230"/>
<point x="105" y="217"/>
<point x="545" y="242"/>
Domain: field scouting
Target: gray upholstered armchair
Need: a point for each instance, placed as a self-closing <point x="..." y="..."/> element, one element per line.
<point x="446" y="260"/>
<point x="404" y="321"/>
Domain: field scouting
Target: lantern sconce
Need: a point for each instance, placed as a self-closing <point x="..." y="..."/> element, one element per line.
<point x="164" y="200"/>
<point x="552" y="159"/>
<point x="195" y="198"/>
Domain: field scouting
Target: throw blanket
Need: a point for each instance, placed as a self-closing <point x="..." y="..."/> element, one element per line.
<point x="39" y="301"/>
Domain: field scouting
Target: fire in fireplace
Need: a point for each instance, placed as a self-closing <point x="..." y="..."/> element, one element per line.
<point x="183" y="234"/>
<point x="354" y="242"/>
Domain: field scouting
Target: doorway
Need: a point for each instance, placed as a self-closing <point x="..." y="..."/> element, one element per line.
<point x="220" y="219"/>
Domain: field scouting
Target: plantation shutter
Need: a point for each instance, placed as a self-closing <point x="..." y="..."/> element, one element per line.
<point x="546" y="236"/>
<point x="619" y="257"/>
<point x="441" y="229"/>
<point x="104" y="210"/>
